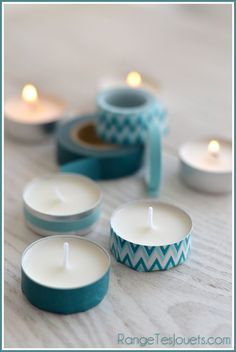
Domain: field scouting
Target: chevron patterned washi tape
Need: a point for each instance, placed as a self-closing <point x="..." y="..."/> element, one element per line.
<point x="144" y="258"/>
<point x="149" y="258"/>
<point x="124" y="115"/>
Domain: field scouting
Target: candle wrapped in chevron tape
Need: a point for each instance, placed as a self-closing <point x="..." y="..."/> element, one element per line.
<point x="124" y="115"/>
<point x="162" y="247"/>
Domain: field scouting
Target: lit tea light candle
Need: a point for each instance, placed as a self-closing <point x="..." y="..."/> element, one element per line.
<point x="214" y="148"/>
<point x="65" y="274"/>
<point x="30" y="95"/>
<point x="148" y="235"/>
<point x="32" y="116"/>
<point x="206" y="165"/>
<point x="132" y="79"/>
<point x="62" y="204"/>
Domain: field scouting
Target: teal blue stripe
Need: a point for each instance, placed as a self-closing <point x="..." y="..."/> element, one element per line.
<point x="154" y="165"/>
<point x="63" y="226"/>
<point x="65" y="301"/>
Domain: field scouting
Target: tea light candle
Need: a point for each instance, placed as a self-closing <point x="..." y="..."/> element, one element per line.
<point x="148" y="235"/>
<point x="206" y="165"/>
<point x="32" y="117"/>
<point x="62" y="203"/>
<point x="65" y="274"/>
<point x="133" y="79"/>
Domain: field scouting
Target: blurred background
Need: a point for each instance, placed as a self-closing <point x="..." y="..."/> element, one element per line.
<point x="70" y="50"/>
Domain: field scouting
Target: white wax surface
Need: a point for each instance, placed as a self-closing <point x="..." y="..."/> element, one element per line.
<point x="196" y="154"/>
<point x="131" y="223"/>
<point x="43" y="262"/>
<point x="46" y="110"/>
<point x="80" y="194"/>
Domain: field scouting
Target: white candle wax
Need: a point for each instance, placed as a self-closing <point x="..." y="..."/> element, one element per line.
<point x="43" y="262"/>
<point x="198" y="155"/>
<point x="62" y="194"/>
<point x="46" y="109"/>
<point x="169" y="223"/>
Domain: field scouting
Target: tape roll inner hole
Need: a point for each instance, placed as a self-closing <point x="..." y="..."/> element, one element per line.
<point x="86" y="135"/>
<point x="126" y="99"/>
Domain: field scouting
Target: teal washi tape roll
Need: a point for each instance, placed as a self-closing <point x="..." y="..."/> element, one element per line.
<point x="124" y="115"/>
<point x="147" y="235"/>
<point x="79" y="150"/>
<point x="65" y="274"/>
<point x="62" y="204"/>
<point x="153" y="159"/>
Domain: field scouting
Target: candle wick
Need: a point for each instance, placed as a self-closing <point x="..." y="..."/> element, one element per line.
<point x="215" y="155"/>
<point x="150" y="218"/>
<point x="59" y="195"/>
<point x="214" y="149"/>
<point x="66" y="255"/>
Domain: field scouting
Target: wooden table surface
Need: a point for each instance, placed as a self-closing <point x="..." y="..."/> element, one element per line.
<point x="68" y="50"/>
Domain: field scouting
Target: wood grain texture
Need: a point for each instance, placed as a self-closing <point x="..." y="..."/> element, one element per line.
<point x="67" y="49"/>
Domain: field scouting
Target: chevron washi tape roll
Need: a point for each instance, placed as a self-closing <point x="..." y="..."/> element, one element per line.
<point x="147" y="235"/>
<point x="62" y="204"/>
<point x="65" y="274"/>
<point x="79" y="150"/>
<point x="124" y="115"/>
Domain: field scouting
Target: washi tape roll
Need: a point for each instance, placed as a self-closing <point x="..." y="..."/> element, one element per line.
<point x="79" y="150"/>
<point x="153" y="159"/>
<point x="62" y="204"/>
<point x="124" y="115"/>
<point x="147" y="235"/>
<point x="65" y="274"/>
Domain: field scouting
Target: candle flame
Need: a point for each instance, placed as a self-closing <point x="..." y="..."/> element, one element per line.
<point x="29" y="94"/>
<point x="214" y="148"/>
<point x="134" y="79"/>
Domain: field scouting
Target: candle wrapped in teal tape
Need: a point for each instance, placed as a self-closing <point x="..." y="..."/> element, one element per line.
<point x="50" y="286"/>
<point x="165" y="245"/>
<point x="79" y="150"/>
<point x="62" y="204"/>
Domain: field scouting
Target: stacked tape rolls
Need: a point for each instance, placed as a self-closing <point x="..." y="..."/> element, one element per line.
<point x="130" y="116"/>
<point x="110" y="143"/>
<point x="79" y="150"/>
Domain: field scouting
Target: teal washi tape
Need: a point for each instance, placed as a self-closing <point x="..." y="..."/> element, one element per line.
<point x="153" y="159"/>
<point x="62" y="204"/>
<point x="145" y="242"/>
<point x="124" y="114"/>
<point x="65" y="274"/>
<point x="62" y="226"/>
<point x="79" y="150"/>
